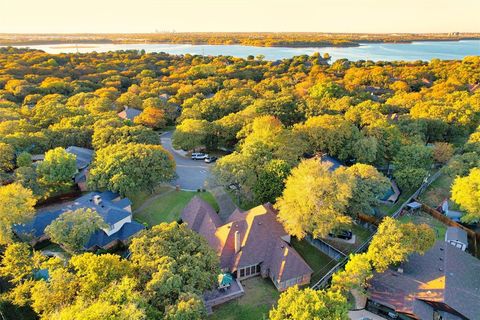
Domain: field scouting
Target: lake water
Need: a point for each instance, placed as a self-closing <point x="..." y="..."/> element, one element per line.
<point x="424" y="50"/>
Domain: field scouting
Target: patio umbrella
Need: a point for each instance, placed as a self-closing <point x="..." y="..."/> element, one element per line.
<point x="225" y="279"/>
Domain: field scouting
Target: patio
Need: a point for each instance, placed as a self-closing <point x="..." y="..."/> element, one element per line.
<point x="219" y="296"/>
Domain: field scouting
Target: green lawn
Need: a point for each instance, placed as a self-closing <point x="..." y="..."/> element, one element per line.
<point x="438" y="191"/>
<point x="167" y="205"/>
<point x="260" y="296"/>
<point x="317" y="260"/>
<point x="422" y="217"/>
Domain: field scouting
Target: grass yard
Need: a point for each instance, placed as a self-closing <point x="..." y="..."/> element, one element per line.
<point x="166" y="205"/>
<point x="260" y="296"/>
<point x="422" y="217"/>
<point x="317" y="260"/>
<point x="438" y="191"/>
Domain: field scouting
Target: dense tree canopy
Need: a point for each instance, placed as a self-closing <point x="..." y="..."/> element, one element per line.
<point x="299" y="304"/>
<point x="16" y="206"/>
<point x="56" y="171"/>
<point x="466" y="192"/>
<point x="175" y="265"/>
<point x="124" y="168"/>
<point x="315" y="199"/>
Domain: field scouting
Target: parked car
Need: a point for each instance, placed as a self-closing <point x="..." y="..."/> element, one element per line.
<point x="341" y="234"/>
<point x="210" y="159"/>
<point x="199" y="156"/>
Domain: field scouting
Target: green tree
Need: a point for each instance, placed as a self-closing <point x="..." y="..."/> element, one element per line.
<point x="315" y="199"/>
<point x="442" y="152"/>
<point x="191" y="134"/>
<point x="58" y="168"/>
<point x="466" y="192"/>
<point x="173" y="260"/>
<point x="188" y="307"/>
<point x="24" y="159"/>
<point x="28" y="178"/>
<point x="72" y="229"/>
<point x="370" y="185"/>
<point x="7" y="157"/>
<point x="395" y="241"/>
<point x="16" y="207"/>
<point x="357" y="272"/>
<point x="271" y="181"/>
<point x="331" y="134"/>
<point x="19" y="262"/>
<point x="461" y="164"/>
<point x="126" y="168"/>
<point x="105" y="135"/>
<point x="296" y="304"/>
<point x="412" y="164"/>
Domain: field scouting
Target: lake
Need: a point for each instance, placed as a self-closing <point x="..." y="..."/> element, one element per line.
<point x="422" y="50"/>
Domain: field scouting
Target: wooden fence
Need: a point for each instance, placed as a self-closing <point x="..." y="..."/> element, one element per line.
<point x="474" y="236"/>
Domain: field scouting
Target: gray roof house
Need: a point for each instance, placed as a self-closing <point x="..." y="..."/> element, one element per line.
<point x="129" y="113"/>
<point x="441" y="284"/>
<point x="116" y="213"/>
<point x="457" y="238"/>
<point x="84" y="158"/>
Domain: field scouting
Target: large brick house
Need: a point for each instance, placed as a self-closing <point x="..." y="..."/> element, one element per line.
<point x="250" y="243"/>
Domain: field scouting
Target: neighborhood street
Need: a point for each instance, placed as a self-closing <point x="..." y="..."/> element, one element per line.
<point x="192" y="174"/>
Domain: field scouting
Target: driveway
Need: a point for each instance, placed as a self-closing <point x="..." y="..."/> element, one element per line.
<point x="192" y="174"/>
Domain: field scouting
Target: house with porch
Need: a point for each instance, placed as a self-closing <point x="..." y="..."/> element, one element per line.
<point x="115" y="211"/>
<point x="250" y="243"/>
<point x="442" y="284"/>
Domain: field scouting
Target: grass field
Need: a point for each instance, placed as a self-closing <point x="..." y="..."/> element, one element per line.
<point x="166" y="205"/>
<point x="317" y="260"/>
<point x="260" y="296"/>
<point x="422" y="217"/>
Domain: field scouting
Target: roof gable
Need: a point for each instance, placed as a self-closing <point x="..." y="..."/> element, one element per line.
<point x="260" y="238"/>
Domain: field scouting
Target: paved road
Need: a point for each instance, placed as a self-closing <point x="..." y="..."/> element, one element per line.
<point x="192" y="174"/>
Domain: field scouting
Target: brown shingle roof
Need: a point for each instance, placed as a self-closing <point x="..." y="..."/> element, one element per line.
<point x="445" y="275"/>
<point x="263" y="240"/>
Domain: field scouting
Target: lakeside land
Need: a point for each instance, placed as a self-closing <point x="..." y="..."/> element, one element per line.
<point x="259" y="39"/>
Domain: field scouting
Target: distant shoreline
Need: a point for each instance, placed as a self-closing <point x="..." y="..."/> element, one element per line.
<point x="287" y="40"/>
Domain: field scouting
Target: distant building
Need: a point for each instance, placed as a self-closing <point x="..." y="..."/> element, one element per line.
<point x="457" y="238"/>
<point x="129" y="113"/>
<point x="116" y="213"/>
<point x="250" y="243"/>
<point x="442" y="284"/>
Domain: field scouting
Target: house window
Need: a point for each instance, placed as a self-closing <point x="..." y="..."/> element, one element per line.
<point x="252" y="269"/>
<point x="242" y="273"/>
<point x="247" y="272"/>
<point x="258" y="268"/>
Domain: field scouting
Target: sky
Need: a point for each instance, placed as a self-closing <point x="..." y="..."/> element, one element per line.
<point x="145" y="16"/>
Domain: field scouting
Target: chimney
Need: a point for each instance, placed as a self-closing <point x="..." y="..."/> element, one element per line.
<point x="97" y="200"/>
<point x="237" y="241"/>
